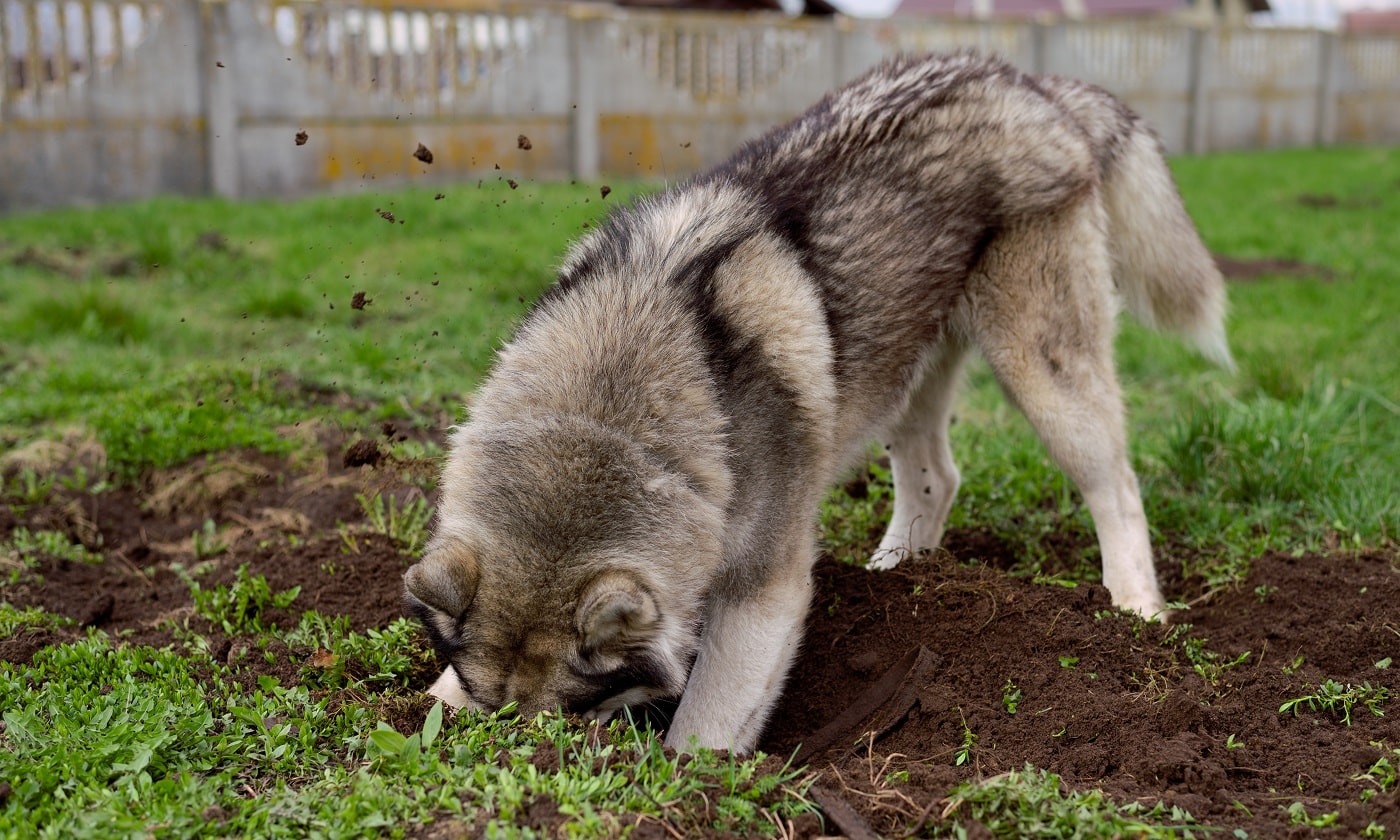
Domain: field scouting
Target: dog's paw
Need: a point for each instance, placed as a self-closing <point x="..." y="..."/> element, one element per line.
<point x="1148" y="605"/>
<point x="885" y="559"/>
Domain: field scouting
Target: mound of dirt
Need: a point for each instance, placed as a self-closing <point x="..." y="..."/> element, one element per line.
<point x="1186" y="713"/>
<point x="297" y="525"/>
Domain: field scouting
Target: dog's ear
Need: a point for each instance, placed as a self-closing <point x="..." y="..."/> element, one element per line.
<point x="445" y="579"/>
<point x="615" y="609"/>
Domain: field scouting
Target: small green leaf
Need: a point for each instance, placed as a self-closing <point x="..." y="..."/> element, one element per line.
<point x="248" y="716"/>
<point x="432" y="725"/>
<point x="141" y="756"/>
<point x="387" y="741"/>
<point x="282" y="600"/>
<point x="1051" y="580"/>
<point x="21" y="725"/>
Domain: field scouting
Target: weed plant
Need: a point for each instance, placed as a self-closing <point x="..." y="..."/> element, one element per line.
<point x="1030" y="804"/>
<point x="238" y="608"/>
<point x="1339" y="700"/>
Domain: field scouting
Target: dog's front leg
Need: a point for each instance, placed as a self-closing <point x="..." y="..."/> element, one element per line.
<point x="748" y="645"/>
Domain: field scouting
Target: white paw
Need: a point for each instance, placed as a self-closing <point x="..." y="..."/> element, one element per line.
<point x="687" y="742"/>
<point x="1147" y="603"/>
<point x="885" y="559"/>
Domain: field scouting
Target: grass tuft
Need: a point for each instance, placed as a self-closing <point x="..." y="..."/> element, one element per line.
<point x="92" y="313"/>
<point x="238" y="608"/>
<point x="1030" y="804"/>
<point x="1339" y="700"/>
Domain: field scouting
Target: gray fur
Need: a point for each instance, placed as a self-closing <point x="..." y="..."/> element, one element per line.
<point x="629" y="513"/>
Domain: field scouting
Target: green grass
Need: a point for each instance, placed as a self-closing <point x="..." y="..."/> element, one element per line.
<point x="224" y="320"/>
<point x="22" y="550"/>
<point x="166" y="330"/>
<point x="1030" y="804"/>
<point x="1303" y="441"/>
<point x="13" y="620"/>
<point x="106" y="742"/>
<point x="406" y="523"/>
<point x="237" y="608"/>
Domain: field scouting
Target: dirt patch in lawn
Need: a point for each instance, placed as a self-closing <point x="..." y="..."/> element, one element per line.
<point x="1242" y="270"/>
<point x="1187" y="713"/>
<point x="296" y="524"/>
<point x="1326" y="201"/>
<point x="910" y="682"/>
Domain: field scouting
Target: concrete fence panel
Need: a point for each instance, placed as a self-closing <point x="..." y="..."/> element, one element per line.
<point x="1149" y="65"/>
<point x="1366" y="76"/>
<point x="104" y="100"/>
<point x="1262" y="88"/>
<point x="677" y="92"/>
<point x="369" y="82"/>
<point x="89" y="108"/>
<point x="1019" y="42"/>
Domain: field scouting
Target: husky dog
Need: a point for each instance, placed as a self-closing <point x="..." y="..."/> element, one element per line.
<point x="629" y="513"/>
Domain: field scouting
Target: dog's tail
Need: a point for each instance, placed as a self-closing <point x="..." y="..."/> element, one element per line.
<point x="1167" y="278"/>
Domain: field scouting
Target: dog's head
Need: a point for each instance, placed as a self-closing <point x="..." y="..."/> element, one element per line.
<point x="566" y="573"/>
<point x="592" y="650"/>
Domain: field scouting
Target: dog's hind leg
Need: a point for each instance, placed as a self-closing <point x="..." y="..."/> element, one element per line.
<point x="1041" y="307"/>
<point x="921" y="462"/>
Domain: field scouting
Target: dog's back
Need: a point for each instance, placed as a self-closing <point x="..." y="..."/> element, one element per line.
<point x="892" y="188"/>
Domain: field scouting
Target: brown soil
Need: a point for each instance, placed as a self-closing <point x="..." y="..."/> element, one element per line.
<point x="895" y="668"/>
<point x="297" y="525"/>
<point x="1324" y="201"/>
<point x="1241" y="270"/>
<point x="1129" y="715"/>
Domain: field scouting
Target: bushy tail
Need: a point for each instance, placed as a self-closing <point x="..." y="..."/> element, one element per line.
<point x="1166" y="276"/>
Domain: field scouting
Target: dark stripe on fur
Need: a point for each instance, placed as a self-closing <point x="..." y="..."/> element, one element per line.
<point x="427" y="616"/>
<point x="645" y="671"/>
<point x="765" y="424"/>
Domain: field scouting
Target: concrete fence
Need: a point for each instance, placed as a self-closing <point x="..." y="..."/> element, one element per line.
<point x="112" y="99"/>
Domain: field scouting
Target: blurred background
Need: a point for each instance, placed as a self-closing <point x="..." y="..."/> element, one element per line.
<point x="104" y="100"/>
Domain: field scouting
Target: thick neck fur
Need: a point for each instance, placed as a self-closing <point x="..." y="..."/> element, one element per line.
<point x="615" y="342"/>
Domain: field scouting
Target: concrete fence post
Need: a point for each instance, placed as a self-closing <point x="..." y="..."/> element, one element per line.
<point x="1197" y="104"/>
<point x="1326" y="133"/>
<point x="838" y="34"/>
<point x="219" y="103"/>
<point x="1040" y="35"/>
<point x="584" y="55"/>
